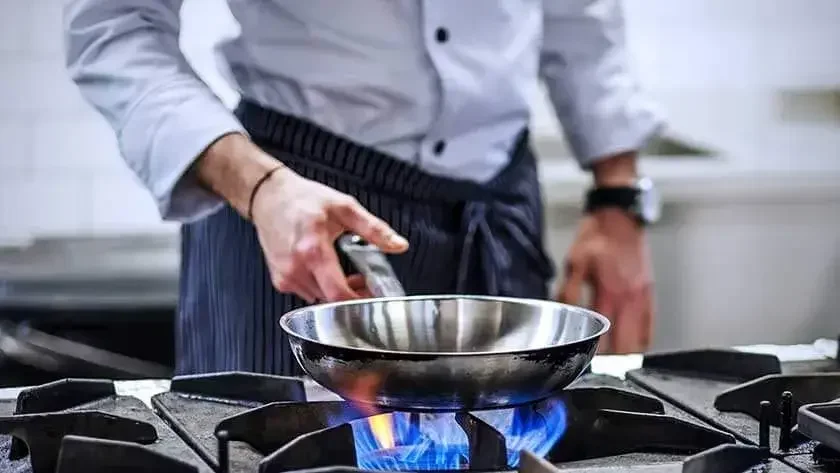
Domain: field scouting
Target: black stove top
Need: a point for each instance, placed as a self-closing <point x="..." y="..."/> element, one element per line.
<point x="688" y="412"/>
<point x="789" y="409"/>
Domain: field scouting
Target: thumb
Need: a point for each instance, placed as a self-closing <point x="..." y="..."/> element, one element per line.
<point x="356" y="219"/>
<point x="571" y="290"/>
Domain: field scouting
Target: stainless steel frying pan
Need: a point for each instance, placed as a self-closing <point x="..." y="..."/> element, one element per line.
<point x="445" y="352"/>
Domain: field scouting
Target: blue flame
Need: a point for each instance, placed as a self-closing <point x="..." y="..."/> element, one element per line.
<point x="533" y="428"/>
<point x="437" y="442"/>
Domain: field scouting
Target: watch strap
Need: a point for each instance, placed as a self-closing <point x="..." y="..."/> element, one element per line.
<point x="624" y="198"/>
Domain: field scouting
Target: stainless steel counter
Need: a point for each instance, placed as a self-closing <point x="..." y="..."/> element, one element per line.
<point x="94" y="272"/>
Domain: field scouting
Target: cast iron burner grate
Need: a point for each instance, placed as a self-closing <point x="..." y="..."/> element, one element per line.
<point x="296" y="434"/>
<point x="196" y="404"/>
<point x="821" y="423"/>
<point x="755" y="397"/>
<point x="74" y="426"/>
<point x="728" y="458"/>
<point x="776" y="389"/>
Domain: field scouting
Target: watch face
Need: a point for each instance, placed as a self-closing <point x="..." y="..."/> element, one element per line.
<point x="650" y="202"/>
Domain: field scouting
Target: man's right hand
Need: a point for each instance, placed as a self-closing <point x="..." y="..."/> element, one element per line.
<point x="297" y="220"/>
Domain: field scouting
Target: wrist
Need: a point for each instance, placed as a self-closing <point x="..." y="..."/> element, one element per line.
<point x="616" y="171"/>
<point x="231" y="167"/>
<point x="615" y="221"/>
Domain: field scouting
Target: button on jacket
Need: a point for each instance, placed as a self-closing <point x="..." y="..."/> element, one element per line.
<point x="443" y="85"/>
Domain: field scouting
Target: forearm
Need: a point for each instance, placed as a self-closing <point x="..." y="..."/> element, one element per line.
<point x="615" y="170"/>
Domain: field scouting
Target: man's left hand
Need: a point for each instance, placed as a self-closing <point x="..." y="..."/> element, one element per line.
<point x="610" y="254"/>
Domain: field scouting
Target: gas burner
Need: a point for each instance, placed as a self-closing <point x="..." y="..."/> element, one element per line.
<point x="567" y="428"/>
<point x="587" y="422"/>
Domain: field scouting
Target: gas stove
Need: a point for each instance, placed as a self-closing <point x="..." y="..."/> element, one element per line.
<point x="721" y="411"/>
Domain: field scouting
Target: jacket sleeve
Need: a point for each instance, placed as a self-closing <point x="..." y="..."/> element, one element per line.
<point x="584" y="64"/>
<point x="125" y="57"/>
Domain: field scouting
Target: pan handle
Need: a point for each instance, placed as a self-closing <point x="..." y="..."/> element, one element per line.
<point x="373" y="265"/>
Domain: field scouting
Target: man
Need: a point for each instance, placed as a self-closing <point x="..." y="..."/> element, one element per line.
<point x="400" y="120"/>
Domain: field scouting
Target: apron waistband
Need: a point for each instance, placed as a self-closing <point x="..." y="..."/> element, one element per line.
<point x="299" y="141"/>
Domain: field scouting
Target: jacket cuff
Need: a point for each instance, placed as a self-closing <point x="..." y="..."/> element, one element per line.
<point x="162" y="143"/>
<point x="627" y="128"/>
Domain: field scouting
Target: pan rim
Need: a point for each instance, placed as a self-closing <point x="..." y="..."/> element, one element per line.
<point x="605" y="325"/>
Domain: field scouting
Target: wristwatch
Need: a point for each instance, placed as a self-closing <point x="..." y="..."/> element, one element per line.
<point x="641" y="200"/>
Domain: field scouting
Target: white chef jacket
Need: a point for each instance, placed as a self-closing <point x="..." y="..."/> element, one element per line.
<point x="442" y="84"/>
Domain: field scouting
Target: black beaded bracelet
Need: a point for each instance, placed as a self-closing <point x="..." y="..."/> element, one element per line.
<point x="257" y="186"/>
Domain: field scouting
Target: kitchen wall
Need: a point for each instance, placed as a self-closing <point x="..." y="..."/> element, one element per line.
<point x="756" y="83"/>
<point x="59" y="167"/>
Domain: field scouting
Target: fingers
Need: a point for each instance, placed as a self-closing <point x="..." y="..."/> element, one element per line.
<point x="306" y="287"/>
<point x="604" y="304"/>
<point x="331" y="279"/>
<point x="577" y="274"/>
<point x="308" y="265"/>
<point x="300" y="283"/>
<point x="571" y="290"/>
<point x="648" y="318"/>
<point x="311" y="272"/>
<point x="314" y="272"/>
<point x="356" y="281"/>
<point x="356" y="219"/>
<point x="358" y="284"/>
<point x="631" y="316"/>
<point x="306" y="293"/>
<point x="298" y="241"/>
<point x="311" y="293"/>
<point x="293" y="286"/>
<point x="630" y="324"/>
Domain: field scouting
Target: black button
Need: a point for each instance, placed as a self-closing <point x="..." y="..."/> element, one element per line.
<point x="439" y="147"/>
<point x="442" y="35"/>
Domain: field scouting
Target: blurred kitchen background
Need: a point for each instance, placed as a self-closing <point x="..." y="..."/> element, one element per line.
<point x="748" y="250"/>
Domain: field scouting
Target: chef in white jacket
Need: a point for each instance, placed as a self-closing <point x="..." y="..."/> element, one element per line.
<point x="404" y="121"/>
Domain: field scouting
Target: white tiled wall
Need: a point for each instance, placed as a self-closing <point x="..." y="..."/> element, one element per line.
<point x="59" y="167"/>
<point x="60" y="171"/>
<point x="745" y="44"/>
